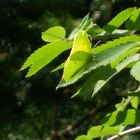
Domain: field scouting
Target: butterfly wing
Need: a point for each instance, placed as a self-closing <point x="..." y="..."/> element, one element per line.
<point x="79" y="56"/>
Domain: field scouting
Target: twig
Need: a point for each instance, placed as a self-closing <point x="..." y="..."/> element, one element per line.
<point x="126" y="132"/>
<point x="67" y="131"/>
<point x="92" y="113"/>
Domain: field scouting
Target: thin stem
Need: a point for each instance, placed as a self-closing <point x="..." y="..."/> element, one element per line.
<point x="126" y="132"/>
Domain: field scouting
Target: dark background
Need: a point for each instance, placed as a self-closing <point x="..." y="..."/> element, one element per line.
<point x="31" y="109"/>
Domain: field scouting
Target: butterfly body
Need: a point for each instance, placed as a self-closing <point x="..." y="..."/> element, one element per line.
<point x="79" y="56"/>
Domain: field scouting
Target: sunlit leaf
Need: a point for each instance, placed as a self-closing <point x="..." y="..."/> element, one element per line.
<point x="97" y="79"/>
<point x="120" y="106"/>
<point x="124" y="55"/>
<point x="135" y="102"/>
<point x="105" y="54"/>
<point x="126" y="117"/>
<point x="119" y="19"/>
<point x="133" y="23"/>
<point x="44" y="56"/>
<point x="83" y="137"/>
<point x="124" y="103"/>
<point x="135" y="71"/>
<point x="101" y="131"/>
<point x="116" y="42"/>
<point x="61" y="66"/>
<point x="53" y="34"/>
<point x="95" y="30"/>
<point x="84" y="24"/>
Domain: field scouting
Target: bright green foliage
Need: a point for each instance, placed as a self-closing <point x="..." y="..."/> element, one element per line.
<point x="126" y="117"/>
<point x="105" y="54"/>
<point x="116" y="42"/>
<point x="45" y="55"/>
<point x="124" y="55"/>
<point x="97" y="33"/>
<point x="53" y="34"/>
<point x="133" y="23"/>
<point x="95" y="67"/>
<point x="79" y="56"/>
<point x="102" y="131"/>
<point x="100" y="77"/>
<point x="61" y="66"/>
<point x="83" y="137"/>
<point x="119" y="19"/>
<point x="114" y="123"/>
<point x="123" y="104"/>
<point x="96" y="78"/>
<point x="135" y="71"/>
<point x="135" y="102"/>
<point x="85" y="23"/>
<point x="95" y="30"/>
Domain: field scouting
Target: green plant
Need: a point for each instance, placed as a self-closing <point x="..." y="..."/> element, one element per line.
<point x="114" y="51"/>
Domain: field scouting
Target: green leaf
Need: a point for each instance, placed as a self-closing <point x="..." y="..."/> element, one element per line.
<point x="83" y="137"/>
<point x="114" y="122"/>
<point x="84" y="24"/>
<point x="124" y="55"/>
<point x="133" y="24"/>
<point x="61" y="66"/>
<point x="95" y="30"/>
<point x="127" y="61"/>
<point x="97" y="79"/>
<point x="106" y="35"/>
<point x="135" y="102"/>
<point x="53" y="34"/>
<point x="116" y="42"/>
<point x="132" y="117"/>
<point x="119" y="19"/>
<point x="102" y="131"/>
<point x="45" y="55"/>
<point x="120" y="106"/>
<point x="135" y="71"/>
<point x="79" y="56"/>
<point x="109" y="55"/>
<point x="125" y="102"/>
<point x="126" y="117"/>
<point x="105" y="54"/>
<point x="132" y="64"/>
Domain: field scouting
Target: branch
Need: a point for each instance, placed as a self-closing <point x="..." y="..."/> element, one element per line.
<point x="129" y="131"/>
<point x="67" y="132"/>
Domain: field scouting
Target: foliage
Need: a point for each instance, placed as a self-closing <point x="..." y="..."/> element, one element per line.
<point x="95" y="67"/>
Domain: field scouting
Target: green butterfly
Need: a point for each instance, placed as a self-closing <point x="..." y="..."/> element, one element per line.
<point x="79" y="56"/>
